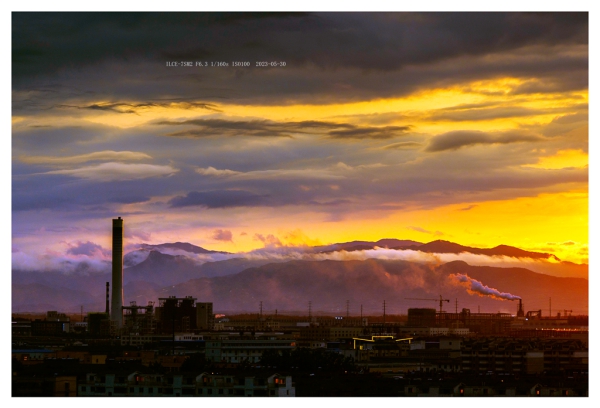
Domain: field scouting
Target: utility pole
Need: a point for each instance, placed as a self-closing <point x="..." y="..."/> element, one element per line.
<point x="455" y="305"/>
<point x="550" y="307"/>
<point x="309" y="310"/>
<point x="384" y="312"/>
<point x="261" y="309"/>
<point x="173" y="351"/>
<point x="347" y="309"/>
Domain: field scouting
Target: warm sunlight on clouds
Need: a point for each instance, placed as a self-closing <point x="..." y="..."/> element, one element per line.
<point x="390" y="125"/>
<point x="563" y="159"/>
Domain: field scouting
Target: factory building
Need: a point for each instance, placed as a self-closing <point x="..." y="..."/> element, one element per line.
<point x="139" y="319"/>
<point x="482" y="323"/>
<point x="421" y="317"/>
<point x="205" y="318"/>
<point x="183" y="315"/>
<point x="99" y="324"/>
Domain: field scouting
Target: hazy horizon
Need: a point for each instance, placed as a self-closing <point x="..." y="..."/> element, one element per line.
<point x="333" y="127"/>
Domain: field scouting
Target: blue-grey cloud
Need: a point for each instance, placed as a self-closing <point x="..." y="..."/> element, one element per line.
<point x="336" y="39"/>
<point x="87" y="248"/>
<point x="117" y="171"/>
<point x="266" y="128"/>
<point x="329" y="56"/>
<point x="122" y="107"/>
<point x="219" y="199"/>
<point x="463" y="138"/>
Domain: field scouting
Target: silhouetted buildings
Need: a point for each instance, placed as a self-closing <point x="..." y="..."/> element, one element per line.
<point x="99" y="324"/>
<point x="176" y="315"/>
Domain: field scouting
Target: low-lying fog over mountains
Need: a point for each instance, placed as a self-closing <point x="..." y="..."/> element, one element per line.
<point x="287" y="278"/>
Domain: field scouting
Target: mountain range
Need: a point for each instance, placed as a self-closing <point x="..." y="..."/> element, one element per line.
<point x="240" y="283"/>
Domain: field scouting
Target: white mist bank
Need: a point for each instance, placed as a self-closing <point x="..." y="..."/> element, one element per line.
<point x="69" y="263"/>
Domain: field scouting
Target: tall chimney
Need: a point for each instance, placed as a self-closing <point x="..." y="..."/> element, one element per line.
<point x="107" y="304"/>
<point x="520" y="312"/>
<point x="116" y="311"/>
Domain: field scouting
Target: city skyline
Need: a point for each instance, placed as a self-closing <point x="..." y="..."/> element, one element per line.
<point x="300" y="204"/>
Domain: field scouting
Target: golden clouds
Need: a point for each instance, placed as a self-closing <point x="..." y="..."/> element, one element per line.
<point x="563" y="159"/>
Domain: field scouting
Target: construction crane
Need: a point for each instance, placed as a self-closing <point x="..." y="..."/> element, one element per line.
<point x="441" y="300"/>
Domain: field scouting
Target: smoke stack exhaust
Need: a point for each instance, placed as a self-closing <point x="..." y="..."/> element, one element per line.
<point x="107" y="304"/>
<point x="116" y="311"/>
<point x="475" y="287"/>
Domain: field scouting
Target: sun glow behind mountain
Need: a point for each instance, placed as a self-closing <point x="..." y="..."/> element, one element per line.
<point x="477" y="142"/>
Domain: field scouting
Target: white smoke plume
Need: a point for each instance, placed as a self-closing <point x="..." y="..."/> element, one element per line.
<point x="474" y="287"/>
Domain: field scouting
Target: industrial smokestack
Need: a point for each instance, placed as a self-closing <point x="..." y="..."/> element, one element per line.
<point x="107" y="305"/>
<point x="520" y="312"/>
<point x="116" y="311"/>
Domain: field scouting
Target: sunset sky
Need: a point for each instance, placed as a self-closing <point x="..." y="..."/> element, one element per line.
<point x="466" y="127"/>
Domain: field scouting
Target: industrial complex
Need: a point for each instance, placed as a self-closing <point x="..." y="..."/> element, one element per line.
<point x="177" y="347"/>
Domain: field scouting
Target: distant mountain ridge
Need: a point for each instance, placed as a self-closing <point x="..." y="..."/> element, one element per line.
<point x="361" y="245"/>
<point x="183" y="246"/>
<point x="329" y="284"/>
<point x="447" y="247"/>
<point x="153" y="271"/>
<point x="437" y="246"/>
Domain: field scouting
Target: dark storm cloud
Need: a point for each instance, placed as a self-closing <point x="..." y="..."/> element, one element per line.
<point x="463" y="138"/>
<point x="219" y="199"/>
<point x="266" y="128"/>
<point x="385" y="132"/>
<point x="363" y="40"/>
<point x="219" y="127"/>
<point x="134" y="107"/>
<point x="48" y="42"/>
<point x="44" y="42"/>
<point x="329" y="56"/>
